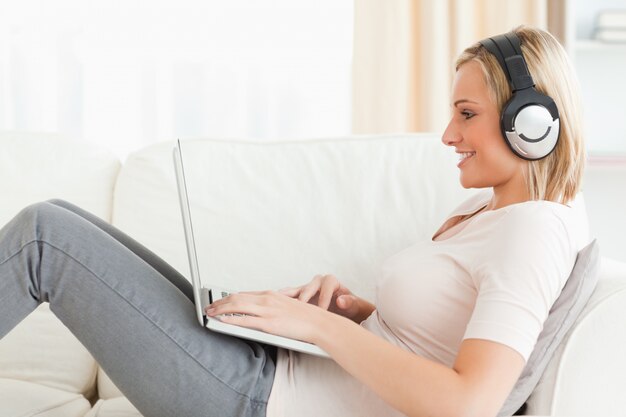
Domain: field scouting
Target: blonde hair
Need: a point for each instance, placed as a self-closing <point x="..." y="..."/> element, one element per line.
<point x="558" y="176"/>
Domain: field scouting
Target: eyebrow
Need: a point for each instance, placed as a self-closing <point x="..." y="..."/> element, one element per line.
<point x="463" y="100"/>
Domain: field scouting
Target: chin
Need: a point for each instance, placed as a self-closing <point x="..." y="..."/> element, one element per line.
<point x="473" y="183"/>
<point x="466" y="182"/>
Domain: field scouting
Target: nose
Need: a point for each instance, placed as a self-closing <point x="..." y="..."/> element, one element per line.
<point x="451" y="135"/>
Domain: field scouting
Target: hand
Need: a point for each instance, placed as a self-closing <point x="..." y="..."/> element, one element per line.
<point x="328" y="293"/>
<point x="271" y="312"/>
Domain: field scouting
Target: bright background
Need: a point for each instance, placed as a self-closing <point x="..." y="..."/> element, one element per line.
<point x="125" y="74"/>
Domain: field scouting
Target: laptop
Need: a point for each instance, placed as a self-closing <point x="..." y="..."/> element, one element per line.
<point x="205" y="295"/>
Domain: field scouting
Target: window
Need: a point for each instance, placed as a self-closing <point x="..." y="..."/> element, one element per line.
<point x="125" y="74"/>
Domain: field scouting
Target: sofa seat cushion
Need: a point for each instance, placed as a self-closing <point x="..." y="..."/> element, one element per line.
<point x="43" y="351"/>
<point x="21" y="398"/>
<point x="114" y="407"/>
<point x="107" y="388"/>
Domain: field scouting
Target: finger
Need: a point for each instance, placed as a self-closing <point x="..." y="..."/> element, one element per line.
<point x="310" y="289"/>
<point x="250" y="292"/>
<point x="290" y="291"/>
<point x="329" y="286"/>
<point x="241" y="304"/>
<point x="240" y="298"/>
<point x="348" y="305"/>
<point x="251" y="322"/>
<point x="345" y="302"/>
<point x="222" y="300"/>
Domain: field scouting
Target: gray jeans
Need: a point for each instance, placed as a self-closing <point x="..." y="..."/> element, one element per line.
<point x="132" y="311"/>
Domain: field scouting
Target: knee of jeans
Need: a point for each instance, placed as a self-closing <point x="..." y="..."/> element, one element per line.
<point x="40" y="213"/>
<point x="57" y="202"/>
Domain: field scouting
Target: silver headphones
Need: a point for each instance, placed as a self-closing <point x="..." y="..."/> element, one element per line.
<point x="529" y="120"/>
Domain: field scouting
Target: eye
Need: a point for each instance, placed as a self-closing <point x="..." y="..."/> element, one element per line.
<point x="467" y="114"/>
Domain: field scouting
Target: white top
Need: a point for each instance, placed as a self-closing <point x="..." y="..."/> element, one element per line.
<point x="494" y="276"/>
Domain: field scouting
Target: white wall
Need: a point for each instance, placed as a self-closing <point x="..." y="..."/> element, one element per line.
<point x="604" y="189"/>
<point x="600" y="68"/>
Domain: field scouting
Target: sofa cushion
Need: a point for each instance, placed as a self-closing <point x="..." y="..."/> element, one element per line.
<point x="115" y="407"/>
<point x="585" y="375"/>
<point x="42" y="350"/>
<point x="106" y="387"/>
<point x="37" y="166"/>
<point x="573" y="298"/>
<point x="20" y="398"/>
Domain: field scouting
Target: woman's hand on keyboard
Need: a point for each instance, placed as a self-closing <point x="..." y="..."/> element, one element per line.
<point x="328" y="293"/>
<point x="276" y="313"/>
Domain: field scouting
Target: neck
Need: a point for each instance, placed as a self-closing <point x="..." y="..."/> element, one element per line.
<point x="510" y="193"/>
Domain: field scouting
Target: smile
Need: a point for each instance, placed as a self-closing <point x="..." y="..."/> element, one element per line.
<point x="464" y="156"/>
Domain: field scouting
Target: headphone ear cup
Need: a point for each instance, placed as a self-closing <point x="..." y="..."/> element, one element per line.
<point x="528" y="124"/>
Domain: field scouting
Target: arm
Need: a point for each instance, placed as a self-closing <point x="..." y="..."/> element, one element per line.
<point x="477" y="385"/>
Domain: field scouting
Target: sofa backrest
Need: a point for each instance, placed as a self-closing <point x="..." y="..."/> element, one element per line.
<point x="39" y="166"/>
<point x="36" y="167"/>
<point x="275" y="214"/>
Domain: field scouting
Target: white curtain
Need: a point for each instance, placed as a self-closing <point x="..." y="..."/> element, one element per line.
<point x="404" y="53"/>
<point x="125" y="74"/>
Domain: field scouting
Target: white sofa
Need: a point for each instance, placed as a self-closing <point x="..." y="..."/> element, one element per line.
<point x="274" y="214"/>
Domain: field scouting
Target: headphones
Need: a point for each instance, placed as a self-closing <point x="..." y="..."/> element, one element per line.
<point x="529" y="120"/>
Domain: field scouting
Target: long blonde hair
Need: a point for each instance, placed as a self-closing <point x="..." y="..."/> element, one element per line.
<point x="558" y="176"/>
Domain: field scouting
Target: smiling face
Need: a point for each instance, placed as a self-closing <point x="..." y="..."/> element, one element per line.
<point x="474" y="131"/>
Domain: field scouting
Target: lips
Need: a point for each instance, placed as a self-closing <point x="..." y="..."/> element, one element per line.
<point x="464" y="157"/>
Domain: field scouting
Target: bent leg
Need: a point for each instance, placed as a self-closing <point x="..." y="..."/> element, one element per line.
<point x="137" y="248"/>
<point x="140" y="328"/>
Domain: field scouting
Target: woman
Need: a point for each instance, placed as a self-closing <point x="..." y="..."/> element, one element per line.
<point x="455" y="320"/>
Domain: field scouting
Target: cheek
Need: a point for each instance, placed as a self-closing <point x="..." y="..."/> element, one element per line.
<point x="499" y="165"/>
<point x="496" y="151"/>
<point x="494" y="162"/>
<point x="498" y="161"/>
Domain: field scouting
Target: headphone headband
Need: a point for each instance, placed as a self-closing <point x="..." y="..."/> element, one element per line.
<point x="507" y="49"/>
